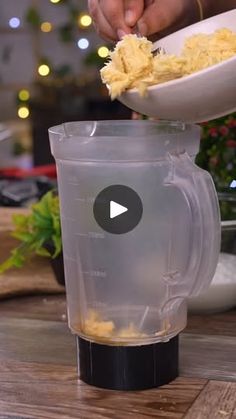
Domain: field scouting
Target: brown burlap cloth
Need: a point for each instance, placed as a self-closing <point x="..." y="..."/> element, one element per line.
<point x="36" y="277"/>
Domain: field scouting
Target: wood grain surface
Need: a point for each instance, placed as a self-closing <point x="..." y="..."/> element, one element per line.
<point x="216" y="401"/>
<point x="72" y="399"/>
<point x="6" y="214"/>
<point x="38" y="373"/>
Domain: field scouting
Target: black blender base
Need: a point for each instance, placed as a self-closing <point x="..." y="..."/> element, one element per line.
<point x="128" y="367"/>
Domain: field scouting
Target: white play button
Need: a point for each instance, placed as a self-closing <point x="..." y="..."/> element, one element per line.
<point x="116" y="209"/>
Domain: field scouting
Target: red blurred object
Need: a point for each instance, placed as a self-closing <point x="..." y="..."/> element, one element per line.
<point x="48" y="170"/>
<point x="231" y="143"/>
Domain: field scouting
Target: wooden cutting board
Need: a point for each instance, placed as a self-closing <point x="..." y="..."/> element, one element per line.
<point x="36" y="277"/>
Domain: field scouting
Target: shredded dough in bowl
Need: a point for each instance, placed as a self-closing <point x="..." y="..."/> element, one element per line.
<point x="132" y="64"/>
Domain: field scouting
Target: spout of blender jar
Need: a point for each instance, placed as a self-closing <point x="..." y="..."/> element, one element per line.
<point x="198" y="191"/>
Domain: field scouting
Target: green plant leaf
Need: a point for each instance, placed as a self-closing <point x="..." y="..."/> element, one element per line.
<point x="22" y="235"/>
<point x="35" y="231"/>
<point x="9" y="263"/>
<point x="43" y="252"/>
<point x="41" y="221"/>
<point x="20" y="220"/>
<point x="57" y="245"/>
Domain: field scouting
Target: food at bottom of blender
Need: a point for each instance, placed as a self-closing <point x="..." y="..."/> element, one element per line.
<point x="133" y="65"/>
<point x="95" y="325"/>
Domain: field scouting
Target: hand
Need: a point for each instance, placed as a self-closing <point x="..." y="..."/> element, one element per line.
<point x="115" y="18"/>
<point x="161" y="17"/>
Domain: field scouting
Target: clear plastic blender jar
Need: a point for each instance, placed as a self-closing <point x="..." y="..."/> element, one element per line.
<point x="126" y="291"/>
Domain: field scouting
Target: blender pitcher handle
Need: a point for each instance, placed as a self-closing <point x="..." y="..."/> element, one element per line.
<point x="204" y="237"/>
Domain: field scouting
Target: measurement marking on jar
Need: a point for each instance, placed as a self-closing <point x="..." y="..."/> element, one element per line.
<point x="95" y="235"/>
<point x="91" y="235"/>
<point x="89" y="200"/>
<point x="96" y="273"/>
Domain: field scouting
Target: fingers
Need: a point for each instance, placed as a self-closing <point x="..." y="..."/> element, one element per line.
<point x="133" y="10"/>
<point x="115" y="18"/>
<point x="102" y="26"/>
<point x="113" y="11"/>
<point x="159" y="15"/>
<point x="109" y="18"/>
<point x="148" y="2"/>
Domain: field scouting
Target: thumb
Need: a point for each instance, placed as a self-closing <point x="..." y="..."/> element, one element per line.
<point x="157" y="16"/>
<point x="133" y="10"/>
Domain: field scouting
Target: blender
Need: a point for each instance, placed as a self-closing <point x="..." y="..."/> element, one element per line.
<point x="141" y="233"/>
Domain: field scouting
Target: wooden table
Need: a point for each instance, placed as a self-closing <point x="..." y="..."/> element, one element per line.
<point x="38" y="377"/>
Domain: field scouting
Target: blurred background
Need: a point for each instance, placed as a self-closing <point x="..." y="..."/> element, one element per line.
<point x="50" y="57"/>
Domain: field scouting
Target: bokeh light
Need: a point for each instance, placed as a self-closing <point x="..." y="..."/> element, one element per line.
<point x="43" y="70"/>
<point x="24" y="95"/>
<point x="103" y="52"/>
<point x="83" y="43"/>
<point x="14" y="22"/>
<point x="46" y="27"/>
<point x="23" y="112"/>
<point x="55" y="1"/>
<point x="85" y="20"/>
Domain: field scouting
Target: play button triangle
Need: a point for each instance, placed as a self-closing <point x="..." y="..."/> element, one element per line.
<point x="116" y="209"/>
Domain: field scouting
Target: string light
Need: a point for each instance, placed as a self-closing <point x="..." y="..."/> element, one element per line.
<point x="55" y="1"/>
<point x="103" y="52"/>
<point x="83" y="43"/>
<point x="24" y="95"/>
<point x="43" y="70"/>
<point x="23" y="112"/>
<point x="85" y="20"/>
<point x="14" y="22"/>
<point x="46" y="27"/>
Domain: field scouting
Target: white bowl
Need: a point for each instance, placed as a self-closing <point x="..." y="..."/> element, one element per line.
<point x="202" y="96"/>
<point x="221" y="295"/>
